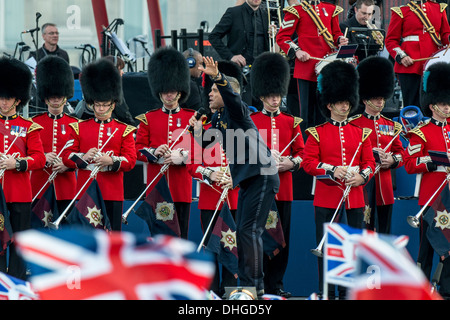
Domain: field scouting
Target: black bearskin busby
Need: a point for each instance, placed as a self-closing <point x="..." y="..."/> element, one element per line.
<point x="435" y="86"/>
<point x="376" y="78"/>
<point x="270" y="75"/>
<point x="168" y="71"/>
<point x="15" y="81"/>
<point x="337" y="82"/>
<point x="101" y="81"/>
<point x="54" y="78"/>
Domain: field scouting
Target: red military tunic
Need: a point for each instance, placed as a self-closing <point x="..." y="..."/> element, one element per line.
<point x="16" y="184"/>
<point x="94" y="133"/>
<point x="55" y="134"/>
<point x="406" y="33"/>
<point x="215" y="159"/>
<point x="297" y="20"/>
<point x="334" y="144"/>
<point x="278" y="130"/>
<point x="162" y="126"/>
<point x="433" y="135"/>
<point x="383" y="131"/>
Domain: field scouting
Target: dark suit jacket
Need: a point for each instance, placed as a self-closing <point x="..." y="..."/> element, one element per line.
<point x="236" y="24"/>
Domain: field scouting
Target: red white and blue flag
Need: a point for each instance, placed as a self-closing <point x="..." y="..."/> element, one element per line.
<point x="384" y="272"/>
<point x="45" y="209"/>
<point x="339" y="251"/>
<point x="78" y="264"/>
<point x="273" y="236"/>
<point x="15" y="289"/>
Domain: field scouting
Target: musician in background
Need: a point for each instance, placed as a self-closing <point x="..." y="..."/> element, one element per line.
<point x="168" y="74"/>
<point x="246" y="28"/>
<point x="330" y="149"/>
<point x="317" y="28"/>
<point x="432" y="135"/>
<point x="15" y="86"/>
<point x="376" y="85"/>
<point x="270" y="80"/>
<point x="416" y="31"/>
<point x="364" y="10"/>
<point x="102" y="88"/>
<point x="55" y="85"/>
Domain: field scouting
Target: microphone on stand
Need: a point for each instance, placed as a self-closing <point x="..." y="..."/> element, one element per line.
<point x="31" y="30"/>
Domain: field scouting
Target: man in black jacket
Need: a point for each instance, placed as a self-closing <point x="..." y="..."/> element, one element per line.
<point x="240" y="24"/>
<point x="252" y="168"/>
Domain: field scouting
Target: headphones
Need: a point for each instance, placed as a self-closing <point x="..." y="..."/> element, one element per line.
<point x="190" y="59"/>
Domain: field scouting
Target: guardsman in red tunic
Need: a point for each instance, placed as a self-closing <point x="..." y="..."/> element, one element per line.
<point x="339" y="150"/>
<point x="55" y="85"/>
<point x="103" y="141"/>
<point x="281" y="132"/>
<point x="316" y="24"/>
<point x="159" y="129"/>
<point x="376" y="85"/>
<point x="20" y="152"/>
<point x="416" y="31"/>
<point x="433" y="135"/>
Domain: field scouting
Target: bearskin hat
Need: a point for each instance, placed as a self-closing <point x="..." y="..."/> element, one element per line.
<point x="435" y="86"/>
<point x="337" y="82"/>
<point x="101" y="81"/>
<point x="168" y="71"/>
<point x="15" y="81"/>
<point x="376" y="78"/>
<point x="270" y="75"/>
<point x="54" y="78"/>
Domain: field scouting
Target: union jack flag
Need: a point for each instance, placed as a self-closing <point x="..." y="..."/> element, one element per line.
<point x="385" y="272"/>
<point x="15" y="289"/>
<point x="77" y="264"/>
<point x="339" y="251"/>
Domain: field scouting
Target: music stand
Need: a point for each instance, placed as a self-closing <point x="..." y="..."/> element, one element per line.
<point x="363" y="37"/>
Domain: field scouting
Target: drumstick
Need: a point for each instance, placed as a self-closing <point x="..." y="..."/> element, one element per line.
<point x="345" y="33"/>
<point x="320" y="59"/>
<point x="446" y="50"/>
<point x="422" y="59"/>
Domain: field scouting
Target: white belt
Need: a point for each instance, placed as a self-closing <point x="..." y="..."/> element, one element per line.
<point x="410" y="38"/>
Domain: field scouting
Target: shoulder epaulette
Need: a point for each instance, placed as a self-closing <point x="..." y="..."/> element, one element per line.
<point x="366" y="133"/>
<point x="443" y="6"/>
<point x="398" y="127"/>
<point x="418" y="132"/>
<point x="337" y="11"/>
<point x="34" y="126"/>
<point x="142" y="118"/>
<point x="313" y="132"/>
<point x="73" y="117"/>
<point x="75" y="126"/>
<point x="297" y="121"/>
<point x="292" y="10"/>
<point x="357" y="116"/>
<point x="129" y="129"/>
<point x="398" y="11"/>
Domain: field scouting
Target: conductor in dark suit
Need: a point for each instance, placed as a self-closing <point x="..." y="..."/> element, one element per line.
<point x="239" y="25"/>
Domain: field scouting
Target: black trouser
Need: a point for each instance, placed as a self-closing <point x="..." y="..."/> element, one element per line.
<point x="20" y="217"/>
<point x="256" y="196"/>
<point x="228" y="279"/>
<point x="355" y="218"/>
<point x="425" y="258"/>
<point x="380" y="221"/>
<point x="183" y="212"/>
<point x="410" y="86"/>
<point x="114" y="210"/>
<point x="275" y="268"/>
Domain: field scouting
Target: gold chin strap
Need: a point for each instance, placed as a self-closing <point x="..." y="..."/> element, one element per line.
<point x="104" y="114"/>
<point x="169" y="103"/>
<point x="47" y="102"/>
<point x="275" y="106"/>
<point x="374" y="107"/>
<point x="15" y="104"/>
<point x="439" y="111"/>
<point x="340" y="113"/>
